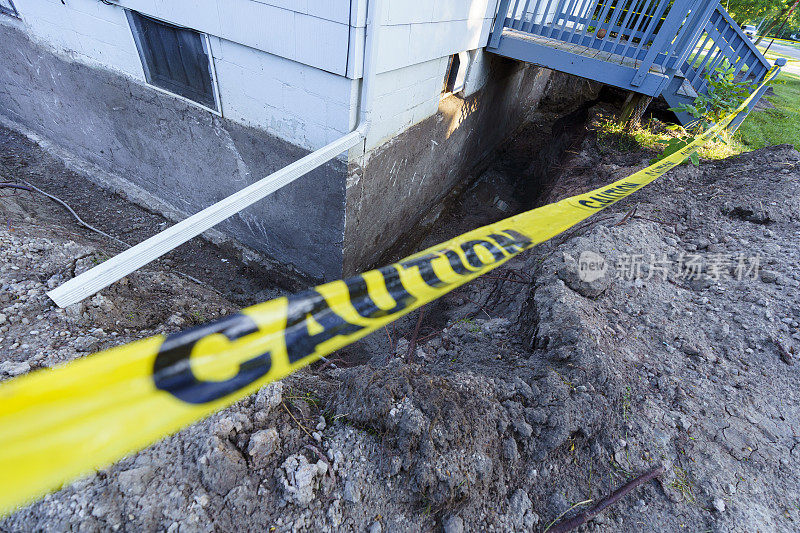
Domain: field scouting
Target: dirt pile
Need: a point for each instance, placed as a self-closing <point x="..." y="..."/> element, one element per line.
<point x="664" y="330"/>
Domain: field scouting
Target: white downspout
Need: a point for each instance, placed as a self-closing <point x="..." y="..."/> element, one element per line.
<point x="143" y="253"/>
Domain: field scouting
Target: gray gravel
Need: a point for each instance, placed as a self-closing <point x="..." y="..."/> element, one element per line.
<point x="524" y="398"/>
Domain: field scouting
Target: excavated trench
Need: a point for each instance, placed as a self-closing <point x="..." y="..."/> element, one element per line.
<point x="511" y="182"/>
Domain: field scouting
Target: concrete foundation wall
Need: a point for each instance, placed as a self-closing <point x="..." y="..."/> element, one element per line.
<point x="405" y="177"/>
<point x="174" y="150"/>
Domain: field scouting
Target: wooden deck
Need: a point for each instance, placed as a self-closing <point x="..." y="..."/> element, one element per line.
<point x="583" y="51"/>
<point x="657" y="47"/>
<point x="585" y="61"/>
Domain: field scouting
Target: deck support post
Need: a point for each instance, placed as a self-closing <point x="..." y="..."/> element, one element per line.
<point x="633" y="110"/>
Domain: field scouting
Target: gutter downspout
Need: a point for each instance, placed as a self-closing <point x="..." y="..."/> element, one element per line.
<point x="134" y="258"/>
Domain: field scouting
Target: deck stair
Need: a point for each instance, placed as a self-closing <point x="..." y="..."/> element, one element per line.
<point x="651" y="47"/>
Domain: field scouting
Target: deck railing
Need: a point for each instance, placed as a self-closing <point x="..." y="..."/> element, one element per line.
<point x="685" y="38"/>
<point x="722" y="40"/>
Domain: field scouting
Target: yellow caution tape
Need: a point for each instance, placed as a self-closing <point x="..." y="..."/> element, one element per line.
<point x="61" y="423"/>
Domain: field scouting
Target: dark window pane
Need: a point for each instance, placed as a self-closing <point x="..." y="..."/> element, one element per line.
<point x="174" y="59"/>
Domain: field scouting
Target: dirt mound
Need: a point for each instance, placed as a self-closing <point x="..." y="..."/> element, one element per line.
<point x="662" y="331"/>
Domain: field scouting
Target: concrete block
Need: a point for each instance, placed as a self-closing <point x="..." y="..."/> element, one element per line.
<point x="111" y="13"/>
<point x="115" y="33"/>
<point x="425" y="110"/>
<point x="59" y="36"/>
<point x="234" y="80"/>
<point x="120" y="58"/>
<point x="393" y="49"/>
<point x="204" y="15"/>
<point x="338" y="116"/>
<point x="311" y="108"/>
<point x="409" y="12"/>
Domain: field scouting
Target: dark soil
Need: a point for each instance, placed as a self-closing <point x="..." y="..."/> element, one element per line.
<point x="221" y="267"/>
<point x="530" y="391"/>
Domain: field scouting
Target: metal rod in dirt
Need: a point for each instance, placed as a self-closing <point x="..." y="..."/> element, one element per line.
<point x="617" y="495"/>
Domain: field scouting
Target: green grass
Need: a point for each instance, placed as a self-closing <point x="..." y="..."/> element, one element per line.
<point x="762" y="128"/>
<point x="775" y="126"/>
<point x="654" y="135"/>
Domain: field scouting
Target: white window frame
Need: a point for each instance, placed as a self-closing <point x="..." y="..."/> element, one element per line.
<point x="206" y="48"/>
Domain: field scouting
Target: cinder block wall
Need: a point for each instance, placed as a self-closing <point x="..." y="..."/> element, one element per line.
<point x="72" y="75"/>
<point x="288" y="79"/>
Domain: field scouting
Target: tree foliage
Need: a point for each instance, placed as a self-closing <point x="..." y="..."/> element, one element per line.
<point x="768" y="15"/>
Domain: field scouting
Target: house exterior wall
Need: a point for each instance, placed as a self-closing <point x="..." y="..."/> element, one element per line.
<point x="289" y="67"/>
<point x="288" y="77"/>
<point x="178" y="152"/>
<point x="416" y="42"/>
<point x="301" y="97"/>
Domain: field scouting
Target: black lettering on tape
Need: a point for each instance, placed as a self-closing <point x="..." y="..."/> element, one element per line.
<point x="455" y="262"/>
<point x="474" y="259"/>
<point x="425" y="266"/>
<point x="300" y="342"/>
<point x="511" y="241"/>
<point x="364" y="304"/>
<point x="172" y="370"/>
<point x="394" y="284"/>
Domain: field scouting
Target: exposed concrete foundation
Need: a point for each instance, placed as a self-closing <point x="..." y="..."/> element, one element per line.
<point x="336" y="220"/>
<point x="406" y="177"/>
<point x="181" y="154"/>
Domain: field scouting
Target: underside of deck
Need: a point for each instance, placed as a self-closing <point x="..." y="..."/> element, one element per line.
<point x="580" y="60"/>
<point x="669" y="48"/>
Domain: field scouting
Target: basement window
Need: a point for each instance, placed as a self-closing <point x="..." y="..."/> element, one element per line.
<point x="7" y="7"/>
<point x="456" y="74"/>
<point x="175" y="59"/>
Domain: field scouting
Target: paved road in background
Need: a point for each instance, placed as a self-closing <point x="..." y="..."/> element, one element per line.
<point x="779" y="48"/>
